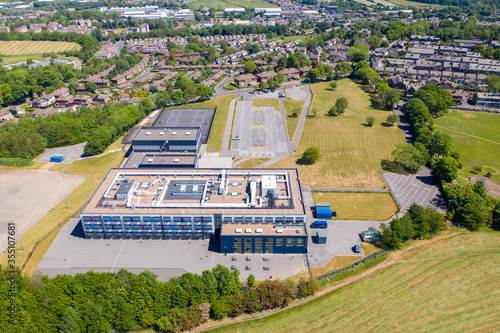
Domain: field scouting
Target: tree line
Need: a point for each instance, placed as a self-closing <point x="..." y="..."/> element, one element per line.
<point x="100" y="302"/>
<point x="99" y="127"/>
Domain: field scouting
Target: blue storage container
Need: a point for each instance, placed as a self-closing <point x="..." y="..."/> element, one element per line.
<point x="323" y="212"/>
<point x="57" y="158"/>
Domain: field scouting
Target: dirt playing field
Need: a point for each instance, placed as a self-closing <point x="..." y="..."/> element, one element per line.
<point x="27" y="195"/>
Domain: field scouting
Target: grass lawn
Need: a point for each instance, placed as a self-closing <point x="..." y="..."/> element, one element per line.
<point x="351" y="152"/>
<point x="414" y="4"/>
<point x="252" y="163"/>
<point x="476" y="137"/>
<point x="39" y="238"/>
<point x="13" y="48"/>
<point x="219" y="124"/>
<point x="221" y="4"/>
<point x="369" y="206"/>
<point x="292" y="122"/>
<point x="341" y="261"/>
<point x="447" y="285"/>
<point x="270" y="102"/>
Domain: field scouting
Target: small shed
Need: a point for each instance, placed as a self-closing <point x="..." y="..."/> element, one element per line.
<point x="323" y="210"/>
<point x="321" y="237"/>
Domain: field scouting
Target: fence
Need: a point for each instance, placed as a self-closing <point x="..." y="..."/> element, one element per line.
<point x="346" y="268"/>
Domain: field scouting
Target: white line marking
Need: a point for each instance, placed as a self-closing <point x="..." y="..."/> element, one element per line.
<point x="118" y="255"/>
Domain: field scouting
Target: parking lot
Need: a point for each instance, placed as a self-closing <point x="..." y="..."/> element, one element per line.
<point x="70" y="153"/>
<point x="422" y="189"/>
<point x="71" y="254"/>
<point x="341" y="238"/>
<point x="28" y="195"/>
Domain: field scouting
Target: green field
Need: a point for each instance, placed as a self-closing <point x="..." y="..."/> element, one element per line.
<point x="267" y="102"/>
<point x="197" y="4"/>
<point x="414" y="4"/>
<point x="292" y="122"/>
<point x="446" y="285"/>
<point x="25" y="48"/>
<point x="375" y="3"/>
<point x="369" y="206"/>
<point x="476" y="137"/>
<point x="351" y="152"/>
<point x="252" y="163"/>
<point x="222" y="102"/>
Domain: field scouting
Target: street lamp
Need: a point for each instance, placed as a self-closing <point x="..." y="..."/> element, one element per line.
<point x="353" y="213"/>
<point x="66" y="199"/>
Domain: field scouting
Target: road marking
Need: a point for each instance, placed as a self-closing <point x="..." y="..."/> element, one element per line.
<point x="118" y="255"/>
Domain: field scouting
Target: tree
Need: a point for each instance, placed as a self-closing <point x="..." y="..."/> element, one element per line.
<point x="374" y="41"/>
<point x="310" y="155"/>
<point x="313" y="74"/>
<point x="341" y="104"/>
<point x="370" y="120"/>
<point x="417" y="111"/>
<point x="162" y="99"/>
<point x="333" y="85"/>
<point x="70" y="320"/>
<point x="262" y="85"/>
<point x="333" y="111"/>
<point x="6" y="94"/>
<point x="250" y="281"/>
<point x="392" y="119"/>
<point x="441" y="144"/>
<point x="408" y="157"/>
<point x="90" y="87"/>
<point x="250" y="66"/>
<point x="473" y="211"/>
<point x="343" y="69"/>
<point x="446" y="168"/>
<point x="357" y="53"/>
<point x="435" y="98"/>
<point x="72" y="86"/>
<point x="495" y="214"/>
<point x="388" y="96"/>
<point x="146" y="105"/>
<point x="204" y="92"/>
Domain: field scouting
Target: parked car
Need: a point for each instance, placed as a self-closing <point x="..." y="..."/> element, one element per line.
<point x="319" y="224"/>
<point x="236" y="138"/>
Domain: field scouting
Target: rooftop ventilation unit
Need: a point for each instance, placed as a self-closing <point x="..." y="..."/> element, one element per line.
<point x="176" y="160"/>
<point x="248" y="231"/>
<point x="174" y="133"/>
<point x="148" y="133"/>
<point x="188" y="133"/>
<point x="259" y="231"/>
<point x="162" y="133"/>
<point x="238" y="231"/>
<point x="150" y="160"/>
<point x="279" y="231"/>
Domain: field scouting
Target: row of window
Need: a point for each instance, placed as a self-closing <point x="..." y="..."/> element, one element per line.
<point x="189" y="219"/>
<point x="164" y="219"/>
<point x="143" y="235"/>
<point x="92" y="226"/>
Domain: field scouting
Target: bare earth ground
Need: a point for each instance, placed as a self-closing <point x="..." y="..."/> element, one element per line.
<point x="27" y="195"/>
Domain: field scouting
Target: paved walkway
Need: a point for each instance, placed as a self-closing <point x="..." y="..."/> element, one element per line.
<point x="405" y="126"/>
<point x="300" y="126"/>
<point x="227" y="131"/>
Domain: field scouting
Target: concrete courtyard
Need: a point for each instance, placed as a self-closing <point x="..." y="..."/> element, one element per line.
<point x="27" y="195"/>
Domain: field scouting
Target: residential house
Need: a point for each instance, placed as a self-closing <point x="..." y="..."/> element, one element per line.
<point x="102" y="98"/>
<point x="65" y="100"/>
<point x="82" y="100"/>
<point x="290" y="73"/>
<point x="265" y="76"/>
<point x="61" y="92"/>
<point x="6" y="115"/>
<point x="486" y="99"/>
<point x="246" y="79"/>
<point x="304" y="70"/>
<point x="44" y="102"/>
<point x="22" y="29"/>
<point x="17" y="110"/>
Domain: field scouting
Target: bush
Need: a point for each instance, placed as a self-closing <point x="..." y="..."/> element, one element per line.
<point x="392" y="119"/>
<point x="307" y="287"/>
<point x="370" y="120"/>
<point x="311" y="155"/>
<point x="16" y="162"/>
<point x="333" y="85"/>
<point x="313" y="112"/>
<point x="341" y="104"/>
<point x="333" y="111"/>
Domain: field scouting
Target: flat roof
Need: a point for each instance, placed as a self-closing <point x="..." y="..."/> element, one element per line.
<point x="242" y="230"/>
<point x="177" y="191"/>
<point x="161" y="133"/>
<point x="168" y="159"/>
